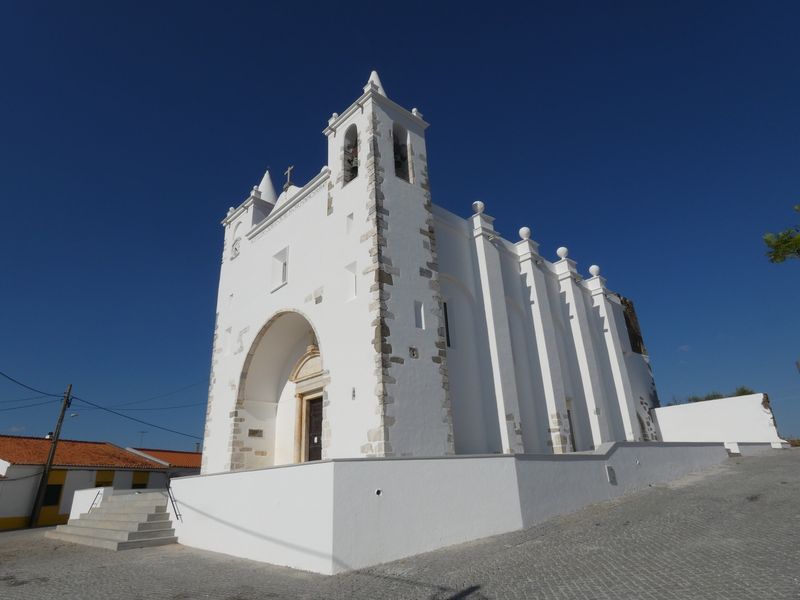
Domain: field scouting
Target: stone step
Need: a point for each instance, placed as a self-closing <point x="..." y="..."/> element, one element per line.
<point x="82" y="539"/>
<point x="121" y="509"/>
<point x="136" y="499"/>
<point x="119" y="524"/>
<point x="110" y="544"/>
<point x="163" y="541"/>
<point x="126" y="516"/>
<point x="115" y="534"/>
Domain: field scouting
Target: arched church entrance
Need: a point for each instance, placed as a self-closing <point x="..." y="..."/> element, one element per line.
<point x="279" y="407"/>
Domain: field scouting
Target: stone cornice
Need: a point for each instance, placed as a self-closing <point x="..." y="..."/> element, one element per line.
<point x="288" y="204"/>
<point x="372" y="94"/>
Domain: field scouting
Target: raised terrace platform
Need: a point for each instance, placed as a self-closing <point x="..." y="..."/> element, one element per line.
<point x="337" y="515"/>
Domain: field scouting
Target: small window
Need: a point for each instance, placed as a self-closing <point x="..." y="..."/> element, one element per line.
<point x="255" y="433"/>
<point x="401" y="159"/>
<point x="446" y="324"/>
<point x="350" y="167"/>
<point x="140" y="480"/>
<point x="419" y="315"/>
<point x="280" y="269"/>
<point x="104" y="479"/>
<point x="351" y="271"/>
<point x="52" y="494"/>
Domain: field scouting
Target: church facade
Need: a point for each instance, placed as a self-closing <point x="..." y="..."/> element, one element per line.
<point x="356" y="319"/>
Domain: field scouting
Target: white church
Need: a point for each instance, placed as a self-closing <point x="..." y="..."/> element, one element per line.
<point x="389" y="378"/>
<point x="356" y="318"/>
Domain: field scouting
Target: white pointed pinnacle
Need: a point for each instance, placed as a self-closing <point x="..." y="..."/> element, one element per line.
<point x="374" y="80"/>
<point x="594" y="270"/>
<point x="478" y="207"/>
<point x="525" y="233"/>
<point x="267" y="189"/>
<point x="562" y="252"/>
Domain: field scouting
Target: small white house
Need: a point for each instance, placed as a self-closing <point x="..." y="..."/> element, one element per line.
<point x="77" y="465"/>
<point x="356" y="318"/>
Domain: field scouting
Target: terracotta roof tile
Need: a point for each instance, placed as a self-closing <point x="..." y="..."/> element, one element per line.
<point x="20" y="450"/>
<point x="175" y="458"/>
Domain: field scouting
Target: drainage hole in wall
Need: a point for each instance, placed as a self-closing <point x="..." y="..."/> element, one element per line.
<point x="378" y="492"/>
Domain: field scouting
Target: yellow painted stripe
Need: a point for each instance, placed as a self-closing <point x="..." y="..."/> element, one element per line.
<point x="13" y="523"/>
<point x="57" y="476"/>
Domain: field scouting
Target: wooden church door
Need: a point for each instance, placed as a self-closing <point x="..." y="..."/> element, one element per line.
<point x="314" y="434"/>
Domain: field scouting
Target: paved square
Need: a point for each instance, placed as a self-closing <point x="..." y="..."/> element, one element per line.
<point x="732" y="532"/>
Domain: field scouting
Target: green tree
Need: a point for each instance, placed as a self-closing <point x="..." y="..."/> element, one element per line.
<point x="784" y="244"/>
<point x="743" y="390"/>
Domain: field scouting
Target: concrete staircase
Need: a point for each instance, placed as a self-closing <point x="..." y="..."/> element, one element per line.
<point x="121" y="522"/>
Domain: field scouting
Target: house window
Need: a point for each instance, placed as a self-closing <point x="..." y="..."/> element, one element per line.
<point x="400" y="145"/>
<point x="350" y="167"/>
<point x="104" y="479"/>
<point x="52" y="494"/>
<point x="140" y="480"/>
<point x="280" y="269"/>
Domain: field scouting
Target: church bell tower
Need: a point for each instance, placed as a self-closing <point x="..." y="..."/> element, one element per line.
<point x="377" y="156"/>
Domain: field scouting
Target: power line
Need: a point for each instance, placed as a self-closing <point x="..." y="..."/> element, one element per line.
<point x="157" y="408"/>
<point x="33" y="389"/>
<point x="119" y="414"/>
<point x="23" y="399"/>
<point x="3" y="480"/>
<point x="28" y="405"/>
<point x="172" y="393"/>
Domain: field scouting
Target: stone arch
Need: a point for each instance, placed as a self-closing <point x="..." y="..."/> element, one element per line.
<point x="257" y="340"/>
<point x="283" y="359"/>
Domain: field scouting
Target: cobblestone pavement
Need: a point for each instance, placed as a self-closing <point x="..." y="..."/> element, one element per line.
<point x="731" y="532"/>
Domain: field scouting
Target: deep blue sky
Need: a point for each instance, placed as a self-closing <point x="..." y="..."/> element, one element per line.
<point x="659" y="140"/>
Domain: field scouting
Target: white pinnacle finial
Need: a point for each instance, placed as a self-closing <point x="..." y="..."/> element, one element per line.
<point x="525" y="233"/>
<point x="266" y="188"/>
<point x="478" y="207"/>
<point x="562" y="252"/>
<point x="376" y="81"/>
<point x="594" y="270"/>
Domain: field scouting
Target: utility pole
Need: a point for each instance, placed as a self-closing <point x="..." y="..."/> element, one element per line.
<point x="37" y="504"/>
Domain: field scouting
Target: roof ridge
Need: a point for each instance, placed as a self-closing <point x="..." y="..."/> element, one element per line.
<point x="168" y="450"/>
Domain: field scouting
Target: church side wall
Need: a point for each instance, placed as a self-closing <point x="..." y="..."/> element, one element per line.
<point x="475" y="425"/>
<point x="533" y="413"/>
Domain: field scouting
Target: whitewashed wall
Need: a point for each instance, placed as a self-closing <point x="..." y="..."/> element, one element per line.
<point x="16" y="493"/>
<point x="281" y="515"/>
<point x="737" y="419"/>
<point x="345" y="514"/>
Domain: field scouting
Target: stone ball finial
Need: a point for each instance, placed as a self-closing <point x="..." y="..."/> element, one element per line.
<point x="525" y="233"/>
<point x="562" y="252"/>
<point x="334" y="116"/>
<point x="478" y="207"/>
<point x="594" y="270"/>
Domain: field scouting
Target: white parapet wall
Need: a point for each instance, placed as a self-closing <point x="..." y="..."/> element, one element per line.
<point x="334" y="516"/>
<point x="733" y="421"/>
